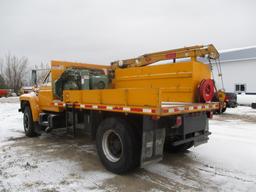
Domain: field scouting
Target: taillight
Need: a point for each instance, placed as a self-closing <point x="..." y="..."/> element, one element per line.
<point x="178" y="121"/>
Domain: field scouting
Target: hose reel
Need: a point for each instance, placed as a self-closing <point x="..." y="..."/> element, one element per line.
<point x="206" y="90"/>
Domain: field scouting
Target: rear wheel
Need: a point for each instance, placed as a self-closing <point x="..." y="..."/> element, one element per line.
<point x="28" y="123"/>
<point x="116" y="145"/>
<point x="223" y="109"/>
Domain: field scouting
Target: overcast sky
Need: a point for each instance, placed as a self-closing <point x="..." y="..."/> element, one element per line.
<point x="100" y="31"/>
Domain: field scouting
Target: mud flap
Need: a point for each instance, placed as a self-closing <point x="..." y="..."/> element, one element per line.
<point x="153" y="138"/>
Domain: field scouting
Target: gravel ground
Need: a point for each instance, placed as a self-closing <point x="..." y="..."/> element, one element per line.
<point x="56" y="162"/>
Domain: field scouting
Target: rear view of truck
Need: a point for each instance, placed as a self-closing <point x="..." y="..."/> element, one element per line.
<point x="133" y="108"/>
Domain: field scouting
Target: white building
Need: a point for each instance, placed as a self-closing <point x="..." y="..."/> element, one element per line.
<point x="238" y="69"/>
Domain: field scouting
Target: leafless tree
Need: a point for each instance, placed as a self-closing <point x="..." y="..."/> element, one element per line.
<point x="14" y="71"/>
<point x="1" y="66"/>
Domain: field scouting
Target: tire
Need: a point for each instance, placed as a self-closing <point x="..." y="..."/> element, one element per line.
<point x="180" y="148"/>
<point x="117" y="146"/>
<point x="220" y="111"/>
<point x="223" y="109"/>
<point x="29" y="126"/>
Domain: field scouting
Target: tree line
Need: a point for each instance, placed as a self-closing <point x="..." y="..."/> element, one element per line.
<point x="15" y="72"/>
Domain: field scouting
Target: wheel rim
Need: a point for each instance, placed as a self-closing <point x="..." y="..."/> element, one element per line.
<point x="112" y="146"/>
<point x="26" y="122"/>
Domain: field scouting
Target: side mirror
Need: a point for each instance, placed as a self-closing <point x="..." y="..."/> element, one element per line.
<point x="34" y="77"/>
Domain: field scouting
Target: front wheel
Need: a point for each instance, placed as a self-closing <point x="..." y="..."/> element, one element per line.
<point x="116" y="145"/>
<point x="28" y="123"/>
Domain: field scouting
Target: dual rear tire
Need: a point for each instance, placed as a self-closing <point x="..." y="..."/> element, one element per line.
<point x="117" y="146"/>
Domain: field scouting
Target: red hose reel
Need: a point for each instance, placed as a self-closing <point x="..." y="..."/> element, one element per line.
<point x="206" y="90"/>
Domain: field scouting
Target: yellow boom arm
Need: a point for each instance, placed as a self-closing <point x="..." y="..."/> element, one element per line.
<point x="193" y="52"/>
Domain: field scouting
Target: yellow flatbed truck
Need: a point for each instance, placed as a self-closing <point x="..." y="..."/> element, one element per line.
<point x="133" y="108"/>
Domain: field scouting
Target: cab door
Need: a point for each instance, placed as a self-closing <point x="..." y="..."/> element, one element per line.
<point x="45" y="95"/>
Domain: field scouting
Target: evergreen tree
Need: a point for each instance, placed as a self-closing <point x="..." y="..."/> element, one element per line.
<point x="2" y="83"/>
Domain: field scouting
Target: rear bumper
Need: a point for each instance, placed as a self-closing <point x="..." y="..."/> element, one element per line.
<point x="198" y="140"/>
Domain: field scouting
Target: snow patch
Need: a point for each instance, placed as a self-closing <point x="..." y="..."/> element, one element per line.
<point x="11" y="125"/>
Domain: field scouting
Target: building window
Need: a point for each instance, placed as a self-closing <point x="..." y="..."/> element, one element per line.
<point x="239" y="88"/>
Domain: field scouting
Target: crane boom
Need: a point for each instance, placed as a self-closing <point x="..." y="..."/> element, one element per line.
<point x="147" y="59"/>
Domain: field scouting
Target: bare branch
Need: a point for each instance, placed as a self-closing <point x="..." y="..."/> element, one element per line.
<point x="14" y="71"/>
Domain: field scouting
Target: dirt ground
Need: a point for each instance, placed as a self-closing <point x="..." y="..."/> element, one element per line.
<point x="58" y="162"/>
